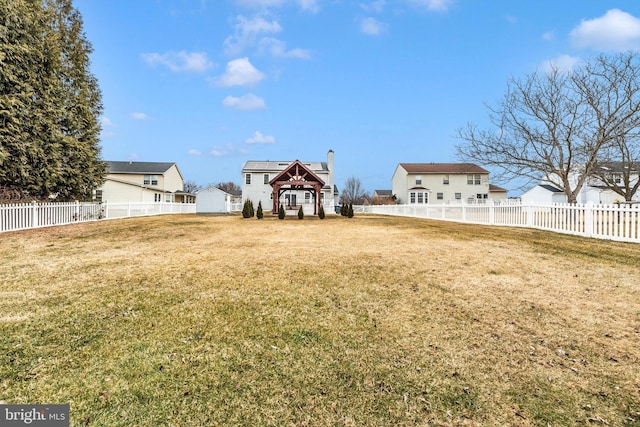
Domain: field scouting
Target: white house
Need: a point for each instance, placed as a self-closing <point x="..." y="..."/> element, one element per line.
<point x="143" y="182"/>
<point x="258" y="184"/>
<point x="213" y="200"/>
<point x="593" y="190"/>
<point x="544" y="194"/>
<point x="422" y="183"/>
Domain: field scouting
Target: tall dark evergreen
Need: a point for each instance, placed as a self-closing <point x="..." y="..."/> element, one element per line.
<point x="50" y="103"/>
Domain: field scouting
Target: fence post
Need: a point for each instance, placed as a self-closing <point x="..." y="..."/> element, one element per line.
<point x="34" y="214"/>
<point x="77" y="211"/>
<point x="588" y="218"/>
<point x="492" y="212"/>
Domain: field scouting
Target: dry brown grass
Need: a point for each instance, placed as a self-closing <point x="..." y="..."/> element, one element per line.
<point x="216" y="320"/>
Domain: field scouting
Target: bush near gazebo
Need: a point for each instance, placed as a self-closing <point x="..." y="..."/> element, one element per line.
<point x="247" y="209"/>
<point x="300" y="213"/>
<point x="259" y="213"/>
<point x="281" y="212"/>
<point x="321" y="212"/>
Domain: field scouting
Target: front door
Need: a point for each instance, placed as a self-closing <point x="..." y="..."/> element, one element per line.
<point x="290" y="200"/>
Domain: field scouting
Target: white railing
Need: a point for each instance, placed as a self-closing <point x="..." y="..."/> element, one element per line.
<point x="619" y="222"/>
<point x="35" y="215"/>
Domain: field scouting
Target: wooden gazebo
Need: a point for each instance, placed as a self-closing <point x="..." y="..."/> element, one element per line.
<point x="296" y="176"/>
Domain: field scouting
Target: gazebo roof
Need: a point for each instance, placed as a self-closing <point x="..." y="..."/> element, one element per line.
<point x="297" y="174"/>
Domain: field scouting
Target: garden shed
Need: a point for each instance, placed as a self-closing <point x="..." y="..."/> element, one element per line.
<point x="213" y="200"/>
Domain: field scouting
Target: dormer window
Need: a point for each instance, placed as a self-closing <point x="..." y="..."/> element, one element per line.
<point x="418" y="179"/>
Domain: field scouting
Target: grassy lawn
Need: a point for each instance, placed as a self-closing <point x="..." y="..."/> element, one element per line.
<point x="370" y="321"/>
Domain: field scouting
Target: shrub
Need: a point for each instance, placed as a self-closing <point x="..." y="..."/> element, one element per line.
<point x="259" y="213"/>
<point x="281" y="212"/>
<point x="321" y="212"/>
<point x="343" y="209"/>
<point x="350" y="211"/>
<point x="300" y="213"/>
<point x="246" y="209"/>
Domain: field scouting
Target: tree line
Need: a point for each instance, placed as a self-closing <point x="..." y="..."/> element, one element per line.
<point x="50" y="103"/>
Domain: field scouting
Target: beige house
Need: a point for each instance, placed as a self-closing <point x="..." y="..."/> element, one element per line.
<point x="422" y="183"/>
<point x="143" y="182"/>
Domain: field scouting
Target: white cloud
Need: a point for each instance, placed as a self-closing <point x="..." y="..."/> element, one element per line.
<point x="376" y="6"/>
<point x="435" y="5"/>
<point x="372" y="27"/>
<point x="309" y="5"/>
<point x="306" y="5"/>
<point x="106" y="124"/>
<point x="194" y="152"/>
<point x="240" y="72"/>
<point x="259" y="138"/>
<point x="615" y="31"/>
<point x="549" y="36"/>
<point x="562" y="63"/>
<point x="136" y="115"/>
<point x="195" y="62"/>
<point x="218" y="152"/>
<point x="248" y="102"/>
<point x="247" y="33"/>
<point x="260" y="4"/>
<point x="278" y="48"/>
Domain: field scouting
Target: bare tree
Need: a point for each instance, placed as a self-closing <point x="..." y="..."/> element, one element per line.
<point x="353" y="192"/>
<point x="554" y="125"/>
<point x="190" y="186"/>
<point x="229" y="187"/>
<point x="619" y="167"/>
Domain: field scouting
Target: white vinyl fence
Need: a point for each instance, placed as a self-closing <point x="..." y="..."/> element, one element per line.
<point x="613" y="222"/>
<point x="36" y="215"/>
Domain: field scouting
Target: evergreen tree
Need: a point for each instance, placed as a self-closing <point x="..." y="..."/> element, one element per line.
<point x="321" y="212"/>
<point x="252" y="211"/>
<point x="281" y="212"/>
<point x="49" y="102"/>
<point x="81" y="104"/>
<point x="246" y="209"/>
<point x="350" y="211"/>
<point x="300" y="213"/>
<point x="259" y="213"/>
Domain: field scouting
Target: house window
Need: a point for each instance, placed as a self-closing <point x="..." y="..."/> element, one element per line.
<point x="157" y="197"/>
<point x="458" y="196"/>
<point x="307" y="197"/>
<point x="99" y="196"/>
<point x="419" y="180"/>
<point x="247" y="178"/>
<point x="473" y="179"/>
<point x="266" y="178"/>
<point x="419" y="197"/>
<point x="445" y="180"/>
<point x="482" y="196"/>
<point x="150" y="180"/>
<point x="440" y="196"/>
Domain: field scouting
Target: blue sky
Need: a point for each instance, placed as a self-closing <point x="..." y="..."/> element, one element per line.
<point x="210" y="84"/>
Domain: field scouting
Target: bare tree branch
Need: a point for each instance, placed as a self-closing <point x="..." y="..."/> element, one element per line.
<point x="556" y="125"/>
